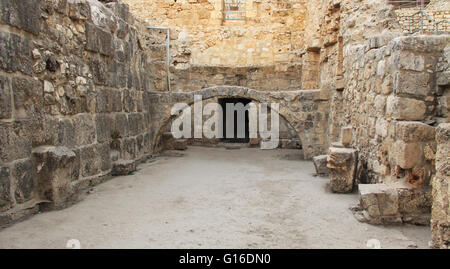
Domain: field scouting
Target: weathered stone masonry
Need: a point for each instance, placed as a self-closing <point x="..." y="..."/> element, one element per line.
<point x="84" y="94"/>
<point x="304" y="110"/>
<point x="75" y="78"/>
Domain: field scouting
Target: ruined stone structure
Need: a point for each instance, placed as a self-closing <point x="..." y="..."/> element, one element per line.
<point x="75" y="82"/>
<point x="86" y="90"/>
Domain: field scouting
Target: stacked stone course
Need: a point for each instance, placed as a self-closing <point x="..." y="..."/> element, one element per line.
<point x="75" y="78"/>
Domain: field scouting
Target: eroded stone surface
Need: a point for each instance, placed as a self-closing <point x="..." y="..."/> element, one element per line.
<point x="391" y="204"/>
<point x="440" y="211"/>
<point x="320" y="163"/>
<point x="342" y="164"/>
<point x="123" y="167"/>
<point x="56" y="168"/>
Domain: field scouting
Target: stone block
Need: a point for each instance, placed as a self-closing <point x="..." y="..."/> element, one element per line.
<point x="381" y="127"/>
<point x="320" y="163"/>
<point x="116" y="100"/>
<point x="28" y="97"/>
<point x="180" y="144"/>
<point x="408" y="60"/>
<point x="406" y="155"/>
<point x="5" y="98"/>
<point x="443" y="150"/>
<point x="5" y="188"/>
<point x="401" y="108"/>
<point x="392" y="204"/>
<point x="102" y="100"/>
<point x="23" y="14"/>
<point x="98" y="69"/>
<point x="120" y="126"/>
<point x="24" y="175"/>
<point x="380" y="203"/>
<point x="66" y="133"/>
<point x="443" y="78"/>
<point x="15" y="53"/>
<point x="135" y="123"/>
<point x="169" y="143"/>
<point x="57" y="168"/>
<point x="413" y="131"/>
<point x="414" y="201"/>
<point x="78" y="10"/>
<point x="104" y="127"/>
<point x="346" y="135"/>
<point x="117" y="74"/>
<point x="129" y="149"/>
<point x="424" y="43"/>
<point x="413" y="83"/>
<point x="99" y="40"/>
<point x="84" y="128"/>
<point x="123" y="167"/>
<point x="15" y="141"/>
<point x="95" y="159"/>
<point x="342" y="163"/>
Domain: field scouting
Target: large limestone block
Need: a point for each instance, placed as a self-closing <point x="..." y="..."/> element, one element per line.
<point x="406" y="155"/>
<point x="390" y="204"/>
<point x="56" y="168"/>
<point x="346" y="135"/>
<point x="401" y="108"/>
<point x="407" y="82"/>
<point x="342" y="164"/>
<point x="380" y="201"/>
<point x="413" y="131"/>
<point x="21" y="14"/>
<point x="320" y="163"/>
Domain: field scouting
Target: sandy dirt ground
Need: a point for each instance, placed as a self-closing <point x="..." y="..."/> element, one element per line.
<point x="213" y="198"/>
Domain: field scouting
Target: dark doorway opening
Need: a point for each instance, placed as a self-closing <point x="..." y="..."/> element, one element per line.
<point x="223" y="103"/>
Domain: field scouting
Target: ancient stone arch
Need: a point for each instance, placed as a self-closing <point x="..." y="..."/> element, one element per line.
<point x="304" y="110"/>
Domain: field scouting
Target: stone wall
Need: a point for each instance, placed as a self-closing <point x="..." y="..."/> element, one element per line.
<point x="306" y="111"/>
<point x="440" y="218"/>
<point x="391" y="100"/>
<point x="437" y="10"/>
<point x="74" y="83"/>
<point x="272" y="32"/>
<point x="267" y="78"/>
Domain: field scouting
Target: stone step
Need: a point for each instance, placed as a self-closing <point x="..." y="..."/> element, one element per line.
<point x="394" y="203"/>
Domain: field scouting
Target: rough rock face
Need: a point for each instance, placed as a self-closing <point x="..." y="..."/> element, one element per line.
<point x="440" y="215"/>
<point x="320" y="163"/>
<point x="342" y="164"/>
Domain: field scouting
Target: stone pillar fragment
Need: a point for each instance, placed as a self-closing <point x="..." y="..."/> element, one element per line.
<point x="56" y="167"/>
<point x="342" y="164"/>
<point x="320" y="163"/>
